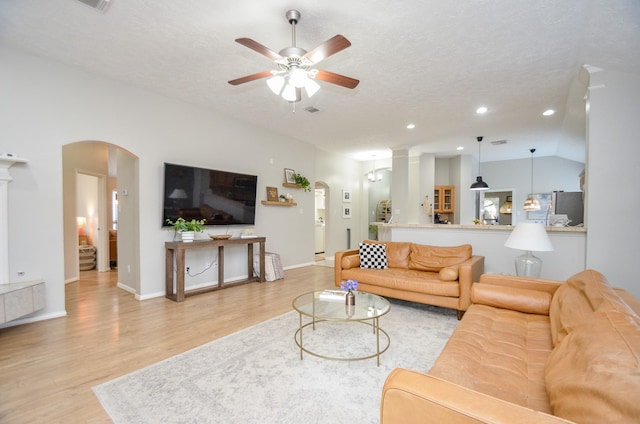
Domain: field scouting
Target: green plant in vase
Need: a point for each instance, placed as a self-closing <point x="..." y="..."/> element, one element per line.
<point x="181" y="225"/>
<point x="302" y="181"/>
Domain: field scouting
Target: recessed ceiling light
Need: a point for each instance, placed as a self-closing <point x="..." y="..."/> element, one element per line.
<point x="459" y="148"/>
<point x="548" y="112"/>
<point x="411" y="126"/>
<point x="481" y="110"/>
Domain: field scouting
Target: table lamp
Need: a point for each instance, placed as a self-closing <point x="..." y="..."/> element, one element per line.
<point x="529" y="237"/>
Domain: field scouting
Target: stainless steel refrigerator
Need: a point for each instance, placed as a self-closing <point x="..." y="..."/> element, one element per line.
<point x="569" y="203"/>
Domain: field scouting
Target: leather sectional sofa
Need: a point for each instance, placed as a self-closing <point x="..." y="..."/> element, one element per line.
<point x="435" y="275"/>
<point x="530" y="351"/>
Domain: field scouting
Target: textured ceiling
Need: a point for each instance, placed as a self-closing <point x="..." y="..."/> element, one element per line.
<point x="427" y="62"/>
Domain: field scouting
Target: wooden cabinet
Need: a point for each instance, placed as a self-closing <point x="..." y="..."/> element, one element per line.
<point x="443" y="199"/>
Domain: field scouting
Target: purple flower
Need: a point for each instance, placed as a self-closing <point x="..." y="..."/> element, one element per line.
<point x="349" y="285"/>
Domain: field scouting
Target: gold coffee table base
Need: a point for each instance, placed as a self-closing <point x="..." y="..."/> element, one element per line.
<point x="367" y="310"/>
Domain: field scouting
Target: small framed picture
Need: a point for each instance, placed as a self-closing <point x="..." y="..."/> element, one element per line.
<point x="288" y="176"/>
<point x="346" y="196"/>
<point x="346" y="211"/>
<point x="272" y="194"/>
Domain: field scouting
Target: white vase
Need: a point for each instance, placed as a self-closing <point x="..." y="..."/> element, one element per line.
<point x="188" y="236"/>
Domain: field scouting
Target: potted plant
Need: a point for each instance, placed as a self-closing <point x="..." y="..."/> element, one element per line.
<point x="302" y="181"/>
<point x="187" y="229"/>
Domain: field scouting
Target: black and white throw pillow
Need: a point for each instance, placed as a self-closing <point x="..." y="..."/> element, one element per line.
<point x="373" y="256"/>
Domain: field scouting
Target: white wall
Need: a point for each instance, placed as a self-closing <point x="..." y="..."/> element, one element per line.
<point x="45" y="106"/>
<point x="613" y="204"/>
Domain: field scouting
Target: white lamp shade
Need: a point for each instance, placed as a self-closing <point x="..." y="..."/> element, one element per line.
<point x="178" y="193"/>
<point x="276" y="83"/>
<point x="529" y="236"/>
<point x="289" y="93"/>
<point x="311" y="87"/>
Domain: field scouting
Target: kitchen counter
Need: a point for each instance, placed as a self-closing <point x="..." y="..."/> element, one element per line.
<point x="567" y="258"/>
<point x="382" y="225"/>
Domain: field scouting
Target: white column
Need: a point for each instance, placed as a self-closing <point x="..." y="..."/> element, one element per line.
<point x="5" y="178"/>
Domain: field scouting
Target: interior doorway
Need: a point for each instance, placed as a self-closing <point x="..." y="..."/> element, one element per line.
<point x="93" y="174"/>
<point x="320" y="222"/>
<point x="496" y="207"/>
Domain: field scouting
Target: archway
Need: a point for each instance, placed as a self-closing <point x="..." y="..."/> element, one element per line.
<point x="114" y="169"/>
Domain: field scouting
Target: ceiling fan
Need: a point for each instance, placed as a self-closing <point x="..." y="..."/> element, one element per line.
<point x="295" y="64"/>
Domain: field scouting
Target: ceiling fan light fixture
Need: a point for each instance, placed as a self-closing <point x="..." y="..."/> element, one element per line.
<point x="311" y="87"/>
<point x="276" y="83"/>
<point x="289" y="93"/>
<point x="298" y="77"/>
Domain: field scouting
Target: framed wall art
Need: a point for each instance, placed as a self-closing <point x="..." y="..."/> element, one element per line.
<point x="346" y="211"/>
<point x="288" y="176"/>
<point x="272" y="194"/>
<point x="346" y="196"/>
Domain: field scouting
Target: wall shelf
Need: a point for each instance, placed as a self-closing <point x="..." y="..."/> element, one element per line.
<point x="291" y="185"/>
<point x="270" y="203"/>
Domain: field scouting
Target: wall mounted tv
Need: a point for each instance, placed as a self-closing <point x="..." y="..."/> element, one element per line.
<point x="220" y="197"/>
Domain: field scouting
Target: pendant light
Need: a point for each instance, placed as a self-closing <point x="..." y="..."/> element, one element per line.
<point x="479" y="185"/>
<point x="373" y="176"/>
<point x="531" y="203"/>
<point x="506" y="206"/>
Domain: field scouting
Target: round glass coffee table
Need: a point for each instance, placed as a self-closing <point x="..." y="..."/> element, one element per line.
<point x="329" y="306"/>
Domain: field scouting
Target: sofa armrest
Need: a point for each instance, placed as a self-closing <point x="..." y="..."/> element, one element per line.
<point x="337" y="267"/>
<point x="468" y="272"/>
<point x="410" y="397"/>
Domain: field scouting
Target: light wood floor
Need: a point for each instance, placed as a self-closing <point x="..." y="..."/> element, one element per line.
<point x="47" y="368"/>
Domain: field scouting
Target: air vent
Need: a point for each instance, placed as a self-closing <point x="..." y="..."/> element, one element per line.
<point x="99" y="5"/>
<point x="312" y="109"/>
<point x="499" y="142"/>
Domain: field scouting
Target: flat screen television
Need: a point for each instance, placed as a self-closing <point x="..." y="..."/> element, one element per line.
<point x="219" y="197"/>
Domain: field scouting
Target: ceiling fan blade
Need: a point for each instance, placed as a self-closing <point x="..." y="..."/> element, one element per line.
<point x="326" y="49"/>
<point x="255" y="46"/>
<point x="337" y="79"/>
<point x="251" y="77"/>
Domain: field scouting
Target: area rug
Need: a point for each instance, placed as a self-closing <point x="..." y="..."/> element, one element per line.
<point x="256" y="375"/>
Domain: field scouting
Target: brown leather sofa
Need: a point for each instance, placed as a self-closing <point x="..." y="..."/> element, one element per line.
<point x="530" y="351"/>
<point x="435" y="275"/>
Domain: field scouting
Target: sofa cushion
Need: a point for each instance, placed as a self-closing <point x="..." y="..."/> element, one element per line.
<point x="434" y="258"/>
<point x="449" y="273"/>
<point x="397" y="252"/>
<point x="501" y="353"/>
<point x="404" y="279"/>
<point x="593" y="375"/>
<point x="575" y="301"/>
<point x="373" y="256"/>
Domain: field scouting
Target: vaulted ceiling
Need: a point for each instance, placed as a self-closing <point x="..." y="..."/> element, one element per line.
<point x="426" y="62"/>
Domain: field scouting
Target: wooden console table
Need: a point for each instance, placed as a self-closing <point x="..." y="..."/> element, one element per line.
<point x="177" y="249"/>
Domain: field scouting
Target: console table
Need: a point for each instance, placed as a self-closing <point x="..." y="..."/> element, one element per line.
<point x="176" y="250"/>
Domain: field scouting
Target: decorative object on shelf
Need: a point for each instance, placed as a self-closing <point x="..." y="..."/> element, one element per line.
<point x="476" y="221"/>
<point x="530" y="237"/>
<point x="220" y="236"/>
<point x="288" y="176"/>
<point x="346" y="196"/>
<point x="302" y="181"/>
<point x="479" y="185"/>
<point x="283" y="198"/>
<point x="187" y="229"/>
<point x="272" y="194"/>
<point x="531" y="203"/>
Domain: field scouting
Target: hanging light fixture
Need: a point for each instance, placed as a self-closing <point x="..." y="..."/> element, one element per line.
<point x="373" y="176"/>
<point x="479" y="185"/>
<point x="531" y="203"/>
<point x="506" y="206"/>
